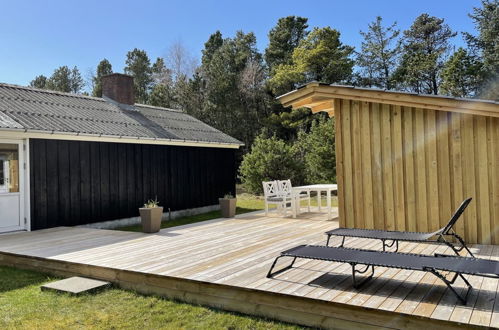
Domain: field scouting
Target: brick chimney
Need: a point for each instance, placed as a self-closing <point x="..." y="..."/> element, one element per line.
<point x="118" y="87"/>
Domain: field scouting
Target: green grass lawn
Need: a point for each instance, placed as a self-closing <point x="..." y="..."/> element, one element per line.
<point x="245" y="203"/>
<point x="24" y="305"/>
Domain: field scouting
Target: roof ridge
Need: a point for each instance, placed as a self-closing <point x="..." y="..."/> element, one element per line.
<point x="48" y="91"/>
<point x="160" y="108"/>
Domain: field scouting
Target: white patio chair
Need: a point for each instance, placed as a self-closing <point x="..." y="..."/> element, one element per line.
<point x="287" y="189"/>
<point x="273" y="195"/>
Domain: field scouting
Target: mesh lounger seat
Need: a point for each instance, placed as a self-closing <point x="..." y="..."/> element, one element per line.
<point x="369" y="258"/>
<point x="391" y="238"/>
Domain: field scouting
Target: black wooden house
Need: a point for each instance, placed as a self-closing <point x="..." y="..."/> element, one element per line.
<point x="69" y="159"/>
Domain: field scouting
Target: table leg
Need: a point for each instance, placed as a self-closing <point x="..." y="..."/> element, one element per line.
<point x="329" y="204"/>
<point x="319" y="199"/>
<point x="294" y="207"/>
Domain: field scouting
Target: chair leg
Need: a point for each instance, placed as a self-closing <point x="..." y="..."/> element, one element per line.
<point x="462" y="297"/>
<point x="270" y="274"/>
<point x="394" y="242"/>
<point x="266" y="209"/>
<point x="357" y="284"/>
<point x="342" y="241"/>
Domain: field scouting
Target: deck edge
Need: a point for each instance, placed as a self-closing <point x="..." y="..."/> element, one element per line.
<point x="278" y="306"/>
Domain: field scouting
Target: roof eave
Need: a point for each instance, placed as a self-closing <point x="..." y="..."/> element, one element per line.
<point x="321" y="97"/>
<point x="31" y="133"/>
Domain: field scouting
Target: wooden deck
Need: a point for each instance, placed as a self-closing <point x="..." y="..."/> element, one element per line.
<point x="223" y="263"/>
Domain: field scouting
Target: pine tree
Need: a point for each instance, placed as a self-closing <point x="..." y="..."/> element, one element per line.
<point x="161" y="96"/>
<point x="215" y="41"/>
<point x="486" y="46"/>
<point x="460" y="75"/>
<point x="39" y="82"/>
<point x="425" y="46"/>
<point x="103" y="68"/>
<point x="283" y="39"/>
<point x="231" y="82"/>
<point x="379" y="54"/>
<point x="319" y="57"/>
<point x="76" y="81"/>
<point x="138" y="65"/>
<point x="60" y="80"/>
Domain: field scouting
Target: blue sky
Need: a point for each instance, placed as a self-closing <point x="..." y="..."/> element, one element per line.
<point x="38" y="36"/>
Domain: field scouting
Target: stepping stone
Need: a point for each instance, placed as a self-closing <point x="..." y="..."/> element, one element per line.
<point x="75" y="285"/>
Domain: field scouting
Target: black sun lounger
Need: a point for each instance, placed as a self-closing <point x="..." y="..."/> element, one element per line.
<point x="390" y="238"/>
<point x="433" y="264"/>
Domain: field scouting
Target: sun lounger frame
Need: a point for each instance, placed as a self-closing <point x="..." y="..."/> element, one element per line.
<point x="437" y="271"/>
<point x="384" y="236"/>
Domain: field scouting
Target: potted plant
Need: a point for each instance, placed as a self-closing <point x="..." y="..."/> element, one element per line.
<point x="228" y="206"/>
<point x="150" y="216"/>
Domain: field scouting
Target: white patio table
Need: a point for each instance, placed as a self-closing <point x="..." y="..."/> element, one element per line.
<point x="319" y="188"/>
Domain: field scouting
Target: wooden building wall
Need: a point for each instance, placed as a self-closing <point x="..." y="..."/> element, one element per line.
<point x="404" y="168"/>
<point x="74" y="183"/>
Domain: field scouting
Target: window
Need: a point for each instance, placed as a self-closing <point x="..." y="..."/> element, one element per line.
<point x="9" y="168"/>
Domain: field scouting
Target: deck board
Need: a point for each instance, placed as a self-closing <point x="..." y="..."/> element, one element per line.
<point x="238" y="253"/>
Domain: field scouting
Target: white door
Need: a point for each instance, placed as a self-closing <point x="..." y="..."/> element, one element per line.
<point x="11" y="185"/>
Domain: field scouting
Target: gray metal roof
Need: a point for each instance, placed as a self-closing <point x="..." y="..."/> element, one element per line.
<point x="48" y="111"/>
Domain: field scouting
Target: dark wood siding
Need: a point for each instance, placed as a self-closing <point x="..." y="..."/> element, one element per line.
<point x="74" y="183"/>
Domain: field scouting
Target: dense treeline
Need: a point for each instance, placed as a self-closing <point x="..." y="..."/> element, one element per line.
<point x="234" y="85"/>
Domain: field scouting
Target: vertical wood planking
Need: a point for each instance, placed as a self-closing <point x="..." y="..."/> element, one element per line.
<point x="140" y="181"/>
<point x="420" y="171"/>
<point x="365" y="132"/>
<point x="456" y="168"/>
<point x="340" y="172"/>
<point x="173" y="166"/>
<point x="347" y="157"/>
<point x="443" y="168"/>
<point x="377" y="166"/>
<point x="481" y="173"/>
<point x="113" y="181"/>
<point x="432" y="170"/>
<point x="398" y="168"/>
<point x="85" y="179"/>
<point x="122" y="180"/>
<point x="64" y="189"/>
<point x="357" y="166"/>
<point x="104" y="179"/>
<point x="495" y="179"/>
<point x="40" y="183"/>
<point x="387" y="167"/>
<point x="74" y="182"/>
<point x="84" y="182"/>
<point x="402" y="168"/>
<point x="95" y="186"/>
<point x="409" y="174"/>
<point x="52" y="179"/>
<point x="470" y="216"/>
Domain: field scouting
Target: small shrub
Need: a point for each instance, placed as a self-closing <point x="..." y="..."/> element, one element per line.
<point x="269" y="159"/>
<point x="317" y="148"/>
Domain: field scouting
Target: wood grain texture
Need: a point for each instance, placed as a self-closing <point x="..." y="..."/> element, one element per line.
<point x="405" y="168"/>
<point x="223" y="263"/>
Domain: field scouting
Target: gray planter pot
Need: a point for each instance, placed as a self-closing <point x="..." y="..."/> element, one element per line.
<point x="151" y="219"/>
<point x="228" y="207"/>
